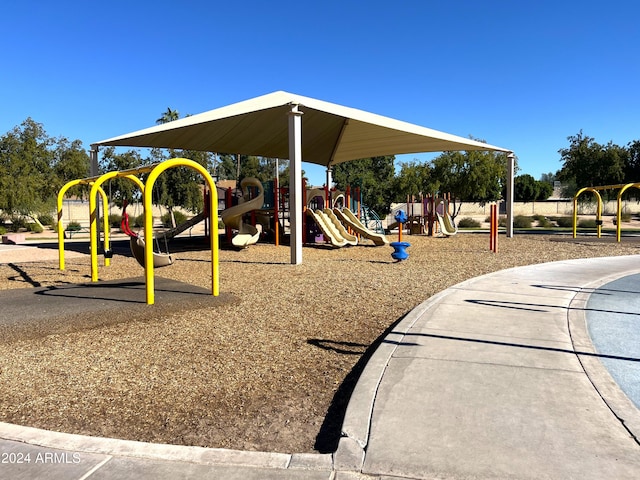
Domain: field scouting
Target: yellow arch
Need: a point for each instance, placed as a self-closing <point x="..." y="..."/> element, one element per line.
<point x="619" y="209"/>
<point x="59" y="200"/>
<point x="148" y="223"/>
<point x="598" y="213"/>
<point x="93" y="215"/>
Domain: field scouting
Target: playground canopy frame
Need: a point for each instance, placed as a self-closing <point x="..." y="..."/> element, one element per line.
<point x="154" y="171"/>
<point x="595" y="190"/>
<point x="272" y="126"/>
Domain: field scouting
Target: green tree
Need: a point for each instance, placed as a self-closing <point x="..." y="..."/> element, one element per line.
<point x="632" y="171"/>
<point x="586" y="163"/>
<point x="71" y="162"/>
<point x="528" y="189"/>
<point x="473" y="176"/>
<point x="120" y="189"/>
<point x="374" y="176"/>
<point x="27" y="180"/>
<point x="414" y="178"/>
<point x="168" y="116"/>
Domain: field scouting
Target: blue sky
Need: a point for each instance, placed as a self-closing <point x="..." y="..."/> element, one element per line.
<point x="520" y="75"/>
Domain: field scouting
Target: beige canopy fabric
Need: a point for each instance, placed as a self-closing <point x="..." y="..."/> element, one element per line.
<point x="331" y="133"/>
<point x="297" y="128"/>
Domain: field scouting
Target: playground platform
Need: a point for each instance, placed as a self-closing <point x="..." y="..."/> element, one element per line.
<point x="494" y="378"/>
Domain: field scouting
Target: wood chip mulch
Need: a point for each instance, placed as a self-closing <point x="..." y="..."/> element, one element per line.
<point x="271" y="371"/>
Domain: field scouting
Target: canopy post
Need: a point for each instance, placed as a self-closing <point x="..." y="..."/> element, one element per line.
<point x="329" y="177"/>
<point x="510" y="192"/>
<point x="93" y="155"/>
<point x="295" y="183"/>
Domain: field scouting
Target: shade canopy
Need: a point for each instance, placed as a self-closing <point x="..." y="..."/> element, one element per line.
<point x="332" y="133"/>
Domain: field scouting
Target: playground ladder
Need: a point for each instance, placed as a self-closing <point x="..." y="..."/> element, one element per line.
<point x="371" y="220"/>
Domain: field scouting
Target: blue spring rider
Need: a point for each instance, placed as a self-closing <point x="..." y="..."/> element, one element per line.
<point x="399" y="252"/>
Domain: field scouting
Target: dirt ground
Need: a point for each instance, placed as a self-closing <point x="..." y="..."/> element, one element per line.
<point x="272" y="371"/>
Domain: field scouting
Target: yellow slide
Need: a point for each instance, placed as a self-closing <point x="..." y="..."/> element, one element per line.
<point x="347" y="217"/>
<point x="232" y="216"/>
<point x="327" y="228"/>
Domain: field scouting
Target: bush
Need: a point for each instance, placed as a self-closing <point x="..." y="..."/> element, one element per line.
<point x="73" y="226"/>
<point x="2" y="230"/>
<point x="46" y="219"/>
<point x="587" y="223"/>
<point x="17" y="223"/>
<point x="114" y="220"/>
<point x="468" y="222"/>
<point x="137" y="222"/>
<point x="544" y="222"/>
<point x="625" y="217"/>
<point x="179" y="216"/>
<point x="522" y="221"/>
<point x="34" y="228"/>
<point x="564" y="222"/>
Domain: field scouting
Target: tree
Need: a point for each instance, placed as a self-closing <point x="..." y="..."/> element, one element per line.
<point x="413" y="179"/>
<point x="373" y="175"/>
<point x="473" y="176"/>
<point x="120" y="189"/>
<point x="168" y="116"/>
<point x="586" y="163"/>
<point x="528" y="189"/>
<point x="632" y="172"/>
<point x="71" y="162"/>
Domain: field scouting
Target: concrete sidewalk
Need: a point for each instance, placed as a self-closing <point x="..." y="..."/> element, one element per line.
<point x="493" y="378"/>
<point x="496" y="378"/>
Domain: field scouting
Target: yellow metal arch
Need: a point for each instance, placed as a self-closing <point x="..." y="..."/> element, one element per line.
<point x="148" y="223"/>
<point x="619" y="209"/>
<point x="59" y="200"/>
<point x="598" y="213"/>
<point x="93" y="215"/>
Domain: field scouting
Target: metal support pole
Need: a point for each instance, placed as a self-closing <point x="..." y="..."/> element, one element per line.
<point x="510" y="192"/>
<point x="295" y="183"/>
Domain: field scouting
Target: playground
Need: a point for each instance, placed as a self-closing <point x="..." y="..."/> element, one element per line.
<point x="268" y="366"/>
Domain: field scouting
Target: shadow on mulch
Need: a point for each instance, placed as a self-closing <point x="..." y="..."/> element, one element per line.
<point x="331" y="428"/>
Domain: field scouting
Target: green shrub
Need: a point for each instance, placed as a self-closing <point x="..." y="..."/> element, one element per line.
<point x="73" y="226"/>
<point x="17" y="223"/>
<point x="539" y="217"/>
<point x="468" y="222"/>
<point x="587" y="223"/>
<point x="625" y="217"/>
<point x="46" y="219"/>
<point x="34" y="228"/>
<point x="2" y="230"/>
<point x="179" y="216"/>
<point x="137" y="222"/>
<point x="544" y="222"/>
<point x="114" y="220"/>
<point x="522" y="221"/>
<point x="564" y="222"/>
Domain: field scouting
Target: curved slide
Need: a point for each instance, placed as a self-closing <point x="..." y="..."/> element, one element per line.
<point x="232" y="216"/>
<point x="347" y="217"/>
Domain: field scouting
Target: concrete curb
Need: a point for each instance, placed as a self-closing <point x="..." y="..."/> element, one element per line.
<point x="622" y="407"/>
<point x="155" y="451"/>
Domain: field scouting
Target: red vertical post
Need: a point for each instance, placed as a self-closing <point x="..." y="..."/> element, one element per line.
<point x="493" y="227"/>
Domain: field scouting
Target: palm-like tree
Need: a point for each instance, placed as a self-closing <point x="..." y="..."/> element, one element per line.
<point x="168" y="116"/>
